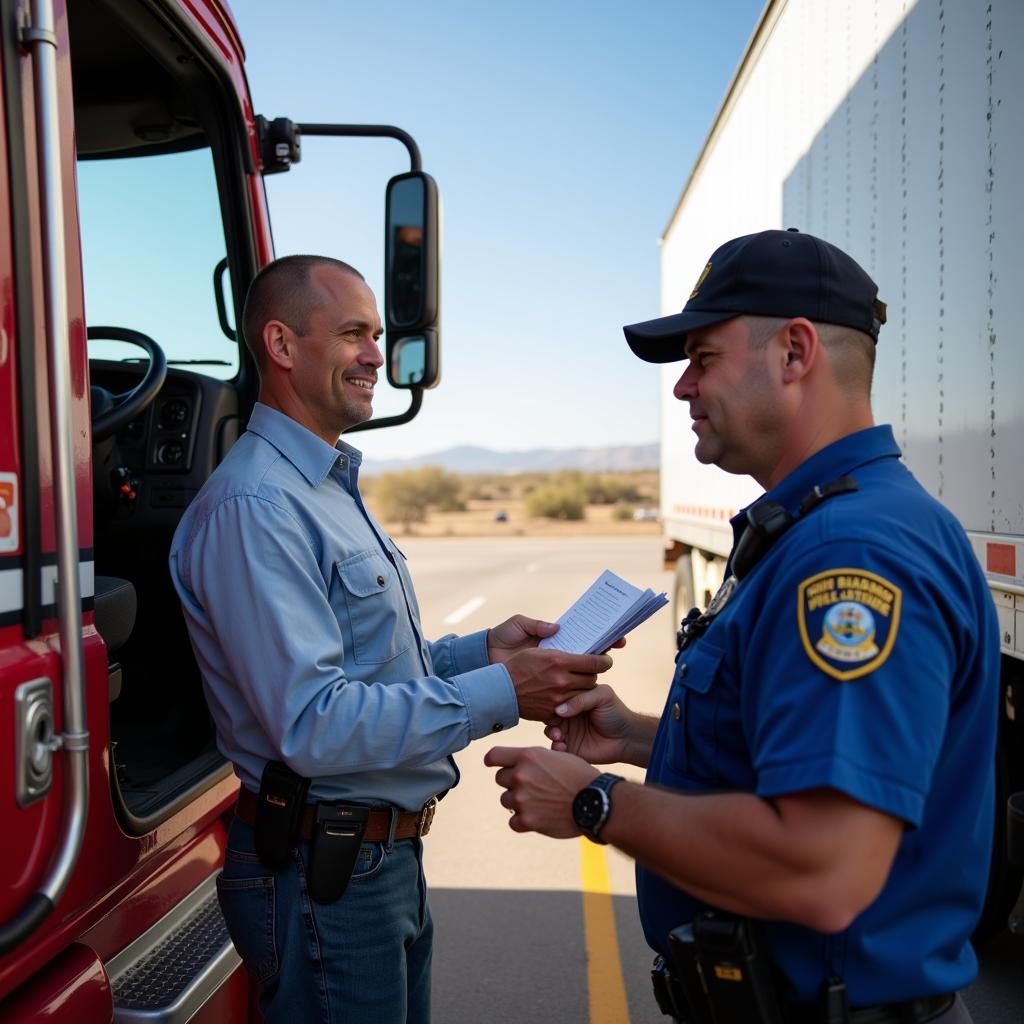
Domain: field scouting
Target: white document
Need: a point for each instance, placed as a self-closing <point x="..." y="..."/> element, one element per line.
<point x="608" y="609"/>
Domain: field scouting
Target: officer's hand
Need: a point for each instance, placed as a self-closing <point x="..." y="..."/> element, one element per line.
<point x="544" y="678"/>
<point x="594" y="725"/>
<point x="520" y="633"/>
<point x="539" y="788"/>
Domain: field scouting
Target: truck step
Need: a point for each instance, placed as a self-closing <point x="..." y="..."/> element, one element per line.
<point x="167" y="973"/>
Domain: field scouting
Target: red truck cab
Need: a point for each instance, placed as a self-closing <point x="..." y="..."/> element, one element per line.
<point x="131" y="170"/>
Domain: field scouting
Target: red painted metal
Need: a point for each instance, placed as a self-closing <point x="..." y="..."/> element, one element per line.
<point x="231" y="1002"/>
<point x="73" y="989"/>
<point x="121" y="884"/>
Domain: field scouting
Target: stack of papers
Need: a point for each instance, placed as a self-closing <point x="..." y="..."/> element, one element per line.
<point x="608" y="609"/>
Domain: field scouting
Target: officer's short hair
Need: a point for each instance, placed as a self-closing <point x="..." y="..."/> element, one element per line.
<point x="851" y="352"/>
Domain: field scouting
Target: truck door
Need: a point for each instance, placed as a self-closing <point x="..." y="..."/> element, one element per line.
<point x="162" y="229"/>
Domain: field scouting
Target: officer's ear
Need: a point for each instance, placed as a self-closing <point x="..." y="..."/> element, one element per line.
<point x="799" y="349"/>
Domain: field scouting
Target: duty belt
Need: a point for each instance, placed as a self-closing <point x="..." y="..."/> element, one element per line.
<point x="911" y="1011"/>
<point x="409" y="824"/>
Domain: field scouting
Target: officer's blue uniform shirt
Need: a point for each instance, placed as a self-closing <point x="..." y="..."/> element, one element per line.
<point x="861" y="653"/>
<point x="306" y="629"/>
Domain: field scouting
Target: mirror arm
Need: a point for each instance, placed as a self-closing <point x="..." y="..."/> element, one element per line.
<point x="369" y="131"/>
<point x="392" y="421"/>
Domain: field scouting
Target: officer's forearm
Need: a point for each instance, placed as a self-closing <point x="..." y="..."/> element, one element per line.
<point x="637" y="745"/>
<point x="816" y="859"/>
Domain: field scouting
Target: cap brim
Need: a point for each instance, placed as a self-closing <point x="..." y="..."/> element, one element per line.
<point x="662" y="340"/>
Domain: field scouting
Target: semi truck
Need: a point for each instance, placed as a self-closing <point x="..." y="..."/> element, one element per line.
<point x="895" y="130"/>
<point x="132" y="219"/>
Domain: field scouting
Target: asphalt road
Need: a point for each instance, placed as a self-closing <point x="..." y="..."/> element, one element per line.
<point x="530" y="929"/>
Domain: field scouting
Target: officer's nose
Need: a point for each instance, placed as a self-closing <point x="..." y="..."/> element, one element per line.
<point x="686" y="386"/>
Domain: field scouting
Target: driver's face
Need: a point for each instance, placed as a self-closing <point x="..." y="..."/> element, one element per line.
<point x="336" y="362"/>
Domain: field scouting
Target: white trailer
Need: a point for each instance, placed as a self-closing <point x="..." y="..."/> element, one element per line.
<point x="894" y="129"/>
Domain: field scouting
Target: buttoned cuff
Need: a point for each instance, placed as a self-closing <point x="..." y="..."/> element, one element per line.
<point x="452" y="654"/>
<point x="490" y="700"/>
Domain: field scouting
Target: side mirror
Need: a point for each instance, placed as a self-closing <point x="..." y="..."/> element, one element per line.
<point x="411" y="281"/>
<point x="412" y="360"/>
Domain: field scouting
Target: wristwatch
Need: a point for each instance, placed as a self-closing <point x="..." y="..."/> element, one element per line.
<point x="592" y="805"/>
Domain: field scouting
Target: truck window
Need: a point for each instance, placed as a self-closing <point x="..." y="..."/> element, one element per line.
<point x="152" y="236"/>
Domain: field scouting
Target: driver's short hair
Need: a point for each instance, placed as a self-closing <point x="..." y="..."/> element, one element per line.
<point x="282" y="291"/>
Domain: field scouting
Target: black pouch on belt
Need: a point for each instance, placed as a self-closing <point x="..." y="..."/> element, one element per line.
<point x="278" y="814"/>
<point x="333" y="848"/>
<point x="736" y="970"/>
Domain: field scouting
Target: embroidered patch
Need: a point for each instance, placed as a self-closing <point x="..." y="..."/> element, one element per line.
<point x="700" y="280"/>
<point x="848" y="621"/>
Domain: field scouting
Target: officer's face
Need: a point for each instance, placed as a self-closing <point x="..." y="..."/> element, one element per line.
<point x="734" y="399"/>
<point x="337" y="360"/>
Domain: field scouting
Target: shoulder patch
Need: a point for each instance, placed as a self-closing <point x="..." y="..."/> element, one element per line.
<point x="848" y="621"/>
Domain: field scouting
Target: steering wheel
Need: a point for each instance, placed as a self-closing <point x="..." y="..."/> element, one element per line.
<point x="110" y="412"/>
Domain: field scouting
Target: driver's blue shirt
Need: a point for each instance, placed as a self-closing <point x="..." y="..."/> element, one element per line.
<point x="306" y="629"/>
<point x="861" y="654"/>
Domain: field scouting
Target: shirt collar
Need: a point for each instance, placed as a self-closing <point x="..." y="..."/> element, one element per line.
<point x="312" y="456"/>
<point x="838" y="459"/>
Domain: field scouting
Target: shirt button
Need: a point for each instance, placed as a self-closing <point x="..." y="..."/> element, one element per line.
<point x="682" y="670"/>
<point x="497" y="727"/>
<point x="380" y="581"/>
<point x="677" y="712"/>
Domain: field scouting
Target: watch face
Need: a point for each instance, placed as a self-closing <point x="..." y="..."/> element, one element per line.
<point x="589" y="807"/>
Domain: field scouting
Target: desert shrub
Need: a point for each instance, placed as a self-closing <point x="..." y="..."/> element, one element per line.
<point x="611" y="490"/>
<point x="622" y="511"/>
<point x="556" y="501"/>
<point x="407" y="496"/>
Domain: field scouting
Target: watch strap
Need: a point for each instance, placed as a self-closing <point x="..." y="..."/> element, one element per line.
<point x="604" y="783"/>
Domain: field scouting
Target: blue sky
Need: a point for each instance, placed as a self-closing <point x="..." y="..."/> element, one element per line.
<point x="560" y="134"/>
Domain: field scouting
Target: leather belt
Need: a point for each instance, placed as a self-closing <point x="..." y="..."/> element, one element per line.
<point x="912" y="1011"/>
<point x="409" y="825"/>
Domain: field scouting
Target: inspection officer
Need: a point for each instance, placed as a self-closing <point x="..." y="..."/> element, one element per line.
<point x="822" y="775"/>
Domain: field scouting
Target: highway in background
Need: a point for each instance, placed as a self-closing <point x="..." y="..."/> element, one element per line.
<point x="530" y="929"/>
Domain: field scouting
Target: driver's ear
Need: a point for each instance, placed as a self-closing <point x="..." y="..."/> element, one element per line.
<point x="278" y="343"/>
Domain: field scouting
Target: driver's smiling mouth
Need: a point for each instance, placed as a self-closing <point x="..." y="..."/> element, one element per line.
<point x="364" y="383"/>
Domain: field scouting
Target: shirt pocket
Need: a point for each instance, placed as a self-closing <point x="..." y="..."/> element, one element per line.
<point x="694" y="747"/>
<point x="377" y="614"/>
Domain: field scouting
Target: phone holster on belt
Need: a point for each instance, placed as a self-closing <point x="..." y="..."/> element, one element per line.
<point x="333" y="847"/>
<point x="279" y="814"/>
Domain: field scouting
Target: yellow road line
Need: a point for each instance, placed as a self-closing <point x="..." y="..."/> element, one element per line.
<point x="604" y="968"/>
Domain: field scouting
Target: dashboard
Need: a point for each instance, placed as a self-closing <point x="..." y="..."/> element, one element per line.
<point x="164" y="455"/>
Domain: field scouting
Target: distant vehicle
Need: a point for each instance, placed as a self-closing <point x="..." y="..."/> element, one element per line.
<point x="645" y="515"/>
<point x="501" y="517"/>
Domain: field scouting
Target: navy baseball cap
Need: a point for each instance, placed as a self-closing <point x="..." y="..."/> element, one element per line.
<point x="771" y="273"/>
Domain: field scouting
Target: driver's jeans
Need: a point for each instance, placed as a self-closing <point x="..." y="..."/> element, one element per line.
<point x="364" y="959"/>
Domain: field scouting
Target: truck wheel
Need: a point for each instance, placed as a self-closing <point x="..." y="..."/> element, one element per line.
<point x="683" y="596"/>
<point x="1004" y="880"/>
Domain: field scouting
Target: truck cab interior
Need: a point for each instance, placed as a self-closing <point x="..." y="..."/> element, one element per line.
<point x="167" y="251"/>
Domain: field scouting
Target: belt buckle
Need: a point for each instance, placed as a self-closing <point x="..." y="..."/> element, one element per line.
<point x="426" y="816"/>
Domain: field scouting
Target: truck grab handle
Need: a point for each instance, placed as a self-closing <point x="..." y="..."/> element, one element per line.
<point x="40" y="38"/>
<point x="28" y="919"/>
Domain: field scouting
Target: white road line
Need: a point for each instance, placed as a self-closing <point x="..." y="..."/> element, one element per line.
<point x="464" y="611"/>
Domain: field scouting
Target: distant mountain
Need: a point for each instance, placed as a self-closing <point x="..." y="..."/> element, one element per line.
<point x="470" y="459"/>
